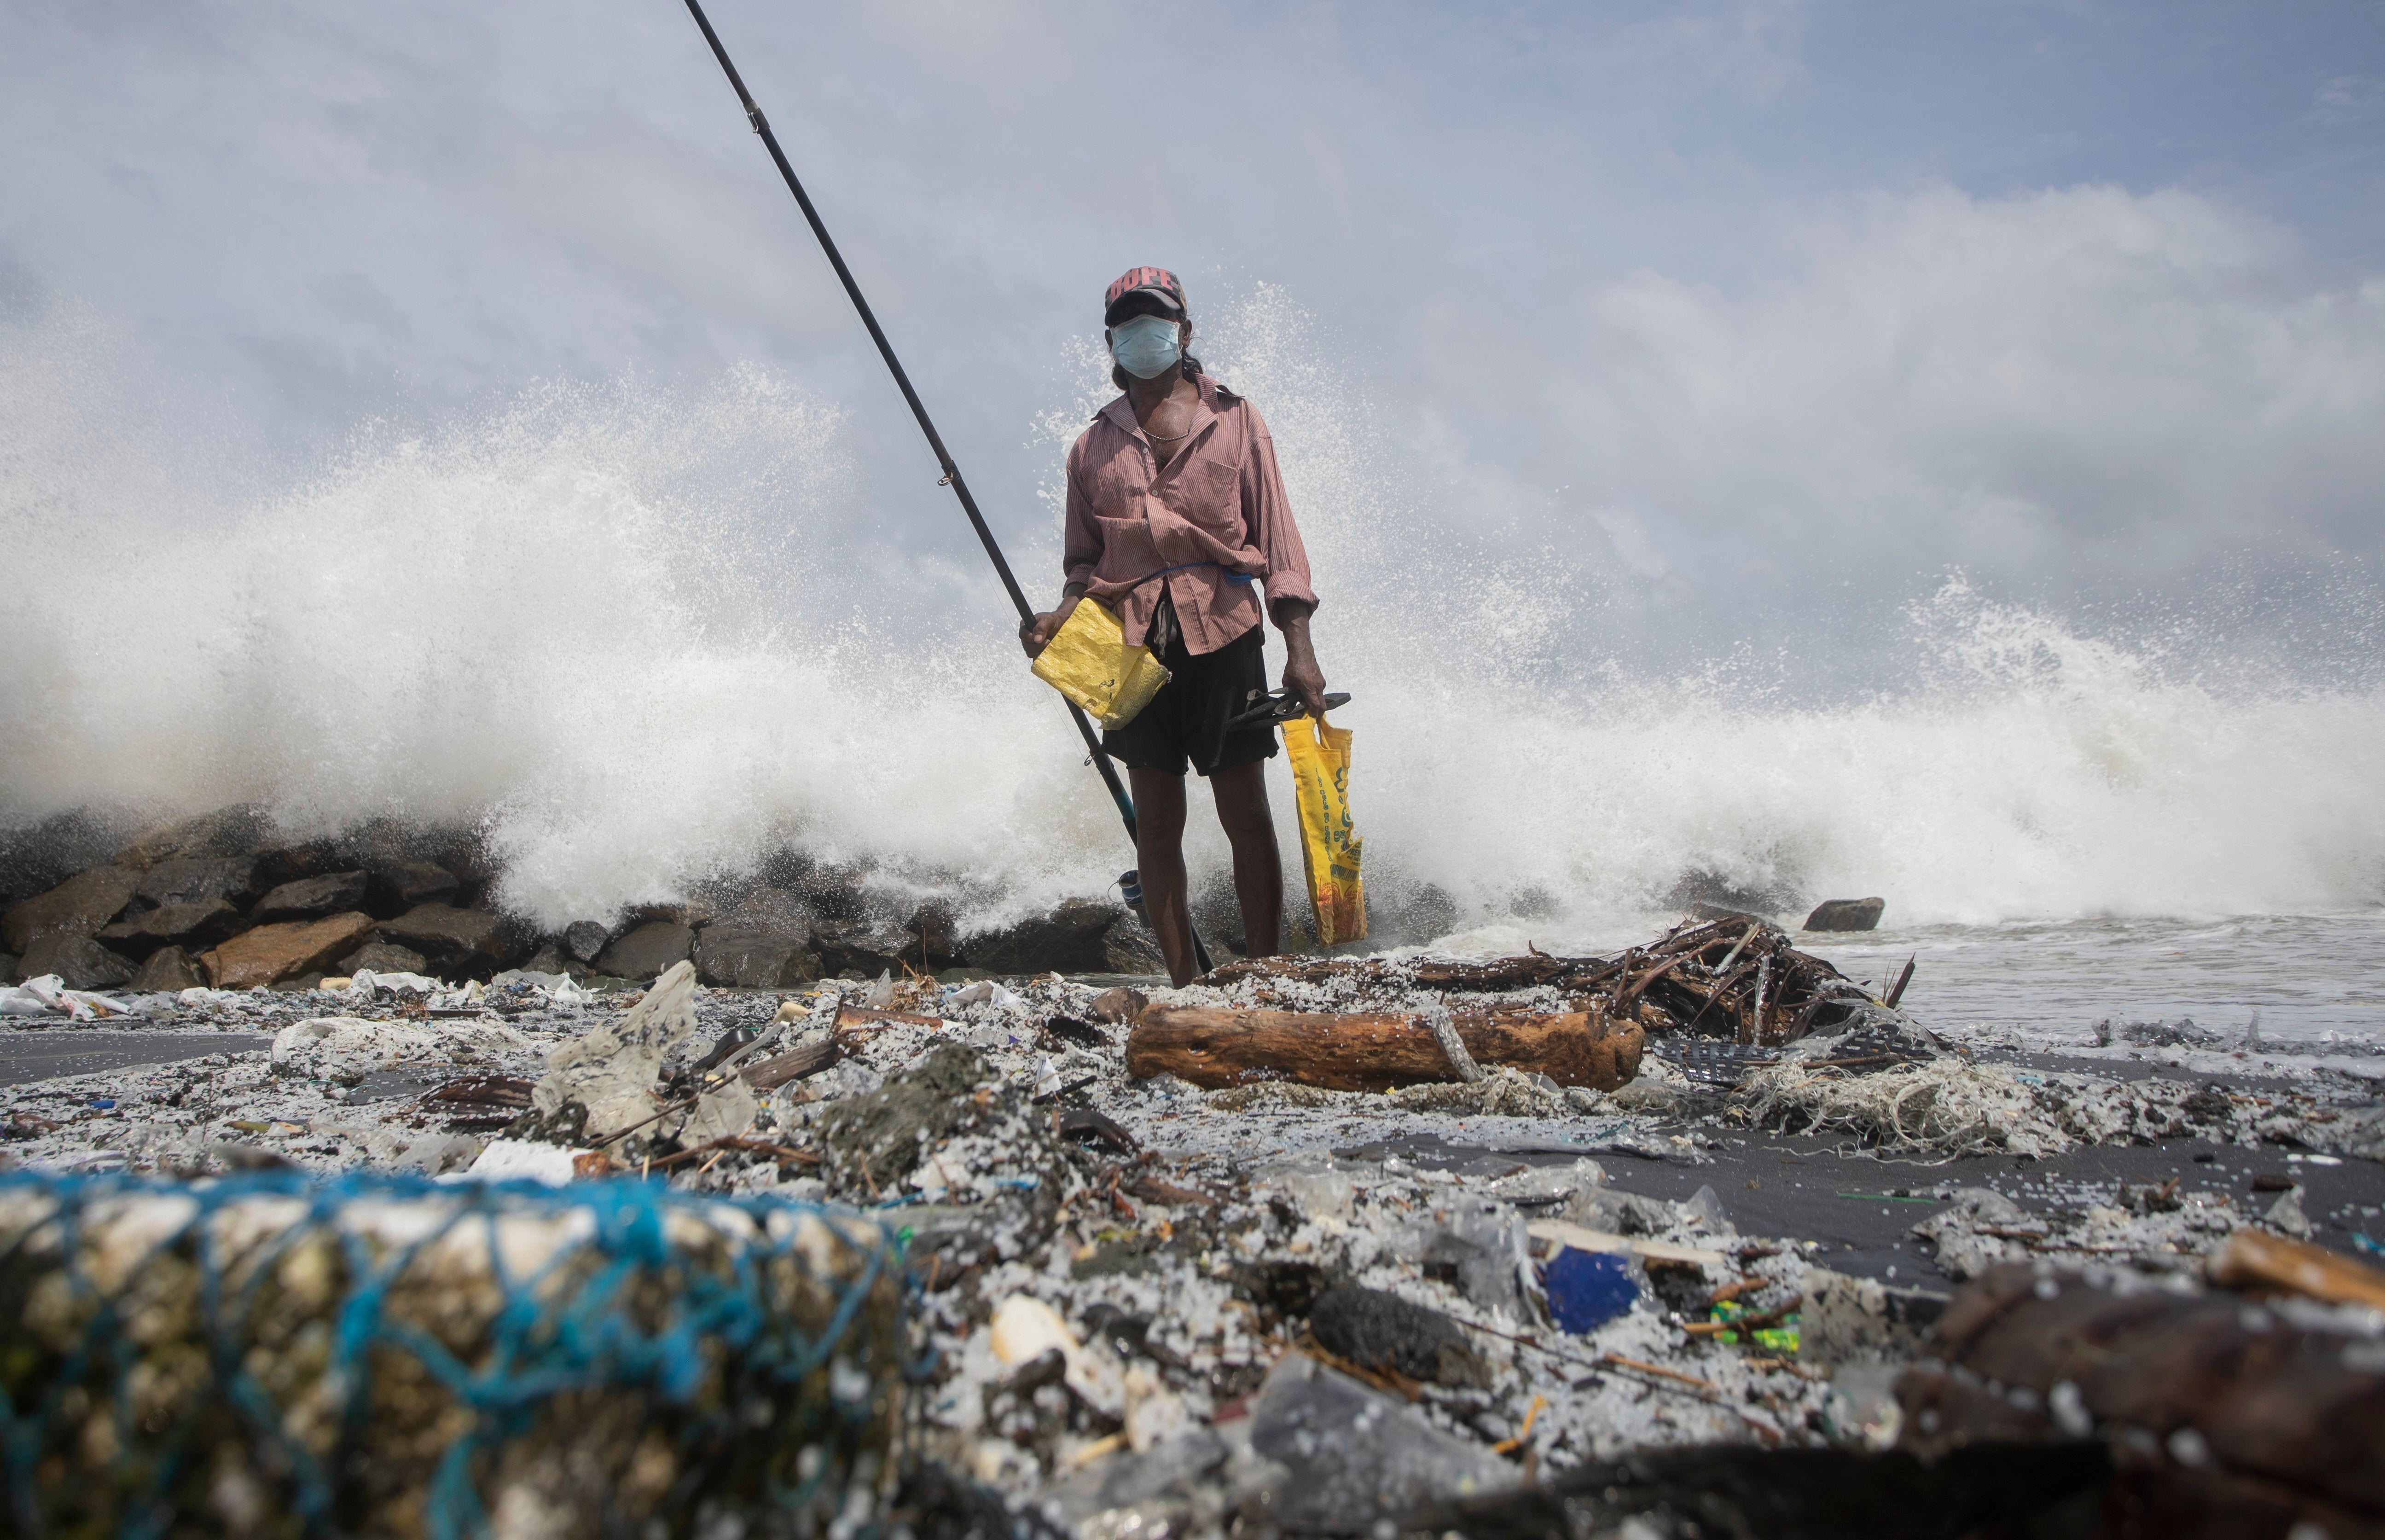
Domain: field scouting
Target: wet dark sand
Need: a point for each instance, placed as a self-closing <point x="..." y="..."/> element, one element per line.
<point x="1848" y="1199"/>
<point x="48" y="1053"/>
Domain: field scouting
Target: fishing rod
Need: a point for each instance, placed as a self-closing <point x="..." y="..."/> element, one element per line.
<point x="1131" y="885"/>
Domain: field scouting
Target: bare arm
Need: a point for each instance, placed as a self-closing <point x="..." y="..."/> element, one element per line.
<point x="1301" y="674"/>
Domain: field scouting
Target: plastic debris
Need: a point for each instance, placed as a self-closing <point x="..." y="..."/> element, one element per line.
<point x="1587" y="1289"/>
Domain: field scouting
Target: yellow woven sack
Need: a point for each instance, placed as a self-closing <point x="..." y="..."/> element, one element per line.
<point x="1328" y="847"/>
<point x="1090" y="662"/>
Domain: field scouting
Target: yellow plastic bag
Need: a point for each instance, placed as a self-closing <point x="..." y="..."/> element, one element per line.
<point x="1328" y="847"/>
<point x="1090" y="662"/>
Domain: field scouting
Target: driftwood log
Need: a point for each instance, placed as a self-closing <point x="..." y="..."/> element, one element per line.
<point x="1375" y="1053"/>
<point x="1735" y="977"/>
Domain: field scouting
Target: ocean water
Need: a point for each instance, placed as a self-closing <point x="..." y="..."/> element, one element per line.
<point x="641" y="635"/>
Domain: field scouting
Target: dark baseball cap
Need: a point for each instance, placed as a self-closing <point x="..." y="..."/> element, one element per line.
<point x="1143" y="280"/>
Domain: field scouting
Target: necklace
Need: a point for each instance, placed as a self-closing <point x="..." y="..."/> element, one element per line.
<point x="1166" y="437"/>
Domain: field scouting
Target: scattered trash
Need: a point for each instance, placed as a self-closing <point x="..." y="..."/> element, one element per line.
<point x="1587" y="1289"/>
<point x="1354" y="1456"/>
<point x="1382" y="1334"/>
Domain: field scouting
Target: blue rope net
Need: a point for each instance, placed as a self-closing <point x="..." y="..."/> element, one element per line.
<point x="372" y="1354"/>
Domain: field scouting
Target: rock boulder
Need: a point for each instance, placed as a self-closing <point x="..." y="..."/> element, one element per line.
<point x="396" y="887"/>
<point x="1846" y="914"/>
<point x="459" y="943"/>
<point x="243" y="830"/>
<point x="168" y="971"/>
<point x="866" y="947"/>
<point x="647" y="951"/>
<point x="78" y="906"/>
<point x="79" y="961"/>
<point x="1081" y="936"/>
<point x="761" y="944"/>
<point x="197" y="878"/>
<point x="142" y="931"/>
<point x="380" y="957"/>
<point x="271" y="953"/>
<point x="584" y="939"/>
<point x="312" y="898"/>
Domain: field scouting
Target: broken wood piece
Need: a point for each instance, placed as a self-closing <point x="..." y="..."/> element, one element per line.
<point x="483" y="1090"/>
<point x="1375" y="1051"/>
<point x="2252" y="1259"/>
<point x="862" y="1015"/>
<point x="2256" y="1424"/>
<point x="1580" y="1237"/>
<point x="768" y="1075"/>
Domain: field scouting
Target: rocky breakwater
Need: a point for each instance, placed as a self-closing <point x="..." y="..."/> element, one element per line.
<point x="229" y="901"/>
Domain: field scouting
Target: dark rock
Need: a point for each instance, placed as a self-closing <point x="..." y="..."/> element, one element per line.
<point x="395" y="887"/>
<point x="646" y="951"/>
<point x="169" y="969"/>
<point x="743" y="955"/>
<point x="459" y="943"/>
<point x="197" y="878"/>
<point x="382" y="957"/>
<point x="271" y="954"/>
<point x="232" y="831"/>
<point x="690" y="912"/>
<point x="935" y="933"/>
<point x="1846" y="914"/>
<point x="551" y="958"/>
<point x="832" y="892"/>
<point x="11" y="968"/>
<point x="311" y="898"/>
<point x="37" y="857"/>
<point x="79" y="961"/>
<point x="1381" y="1330"/>
<point x="78" y="906"/>
<point x="294" y="863"/>
<point x="1081" y="936"/>
<point x="762" y="943"/>
<point x="584" y="939"/>
<point x="866" y="947"/>
<point x="1701" y="887"/>
<point x="202" y="924"/>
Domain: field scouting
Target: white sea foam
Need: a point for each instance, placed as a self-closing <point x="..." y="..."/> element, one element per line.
<point x="635" y="636"/>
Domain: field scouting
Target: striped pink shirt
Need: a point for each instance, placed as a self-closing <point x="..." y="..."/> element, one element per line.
<point x="1213" y="525"/>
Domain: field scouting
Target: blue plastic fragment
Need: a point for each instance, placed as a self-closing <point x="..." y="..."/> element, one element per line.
<point x="2363" y="1241"/>
<point x="103" y="1103"/>
<point x="1587" y="1289"/>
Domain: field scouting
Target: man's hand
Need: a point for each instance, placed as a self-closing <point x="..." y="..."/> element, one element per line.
<point x="1036" y="635"/>
<point x="1301" y="674"/>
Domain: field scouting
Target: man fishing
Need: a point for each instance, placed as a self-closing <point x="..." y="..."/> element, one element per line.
<point x="1176" y="520"/>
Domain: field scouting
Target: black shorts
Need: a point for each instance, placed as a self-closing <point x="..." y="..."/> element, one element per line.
<point x="1187" y="719"/>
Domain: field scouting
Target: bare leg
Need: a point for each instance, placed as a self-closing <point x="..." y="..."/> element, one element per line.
<point x="1159" y="854"/>
<point x="1258" y="867"/>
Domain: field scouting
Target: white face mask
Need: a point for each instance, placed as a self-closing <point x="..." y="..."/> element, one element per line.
<point x="1146" y="346"/>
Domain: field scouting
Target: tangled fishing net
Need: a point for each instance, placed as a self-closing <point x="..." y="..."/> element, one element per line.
<point x="1948" y="1106"/>
<point x="383" y="1356"/>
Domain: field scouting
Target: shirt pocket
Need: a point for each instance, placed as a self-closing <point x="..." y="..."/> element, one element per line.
<point x="1129" y="553"/>
<point x="1206" y="492"/>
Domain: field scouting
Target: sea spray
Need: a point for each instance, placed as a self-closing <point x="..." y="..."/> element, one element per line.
<point x="641" y="637"/>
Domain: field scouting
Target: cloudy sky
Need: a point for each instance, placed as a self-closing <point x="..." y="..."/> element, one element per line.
<point x="1731" y="308"/>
